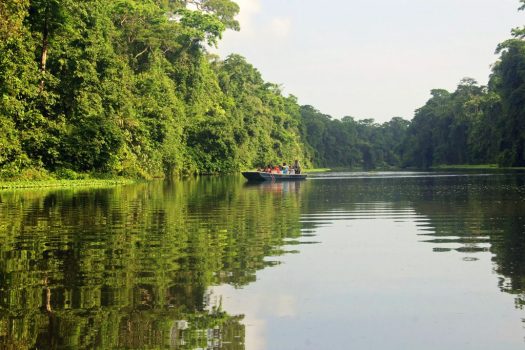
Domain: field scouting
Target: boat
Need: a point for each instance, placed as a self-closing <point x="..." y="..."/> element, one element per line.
<point x="259" y="176"/>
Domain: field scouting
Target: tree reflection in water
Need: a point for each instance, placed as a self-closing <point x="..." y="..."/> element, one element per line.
<point x="130" y="267"/>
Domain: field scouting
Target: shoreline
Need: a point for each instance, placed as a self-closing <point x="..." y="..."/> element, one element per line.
<point x="474" y="167"/>
<point x="91" y="182"/>
<point x="35" y="184"/>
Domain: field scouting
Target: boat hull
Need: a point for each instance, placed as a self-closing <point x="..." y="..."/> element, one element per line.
<point x="256" y="176"/>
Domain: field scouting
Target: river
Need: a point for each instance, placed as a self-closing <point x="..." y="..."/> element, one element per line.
<point x="385" y="260"/>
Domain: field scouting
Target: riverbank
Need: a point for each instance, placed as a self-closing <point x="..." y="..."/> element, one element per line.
<point x="49" y="182"/>
<point x="465" y="166"/>
<point x="473" y="167"/>
<point x="5" y="185"/>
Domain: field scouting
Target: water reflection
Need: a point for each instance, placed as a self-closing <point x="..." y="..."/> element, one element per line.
<point x="174" y="264"/>
<point x="129" y="267"/>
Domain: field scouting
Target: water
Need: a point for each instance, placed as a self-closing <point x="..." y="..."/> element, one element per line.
<point x="343" y="260"/>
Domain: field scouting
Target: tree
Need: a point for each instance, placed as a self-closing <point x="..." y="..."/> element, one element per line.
<point x="47" y="18"/>
<point x="441" y="131"/>
<point x="508" y="81"/>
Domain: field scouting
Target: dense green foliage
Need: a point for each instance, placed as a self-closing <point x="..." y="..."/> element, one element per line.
<point x="128" y="88"/>
<point x="350" y="143"/>
<point x="453" y="128"/>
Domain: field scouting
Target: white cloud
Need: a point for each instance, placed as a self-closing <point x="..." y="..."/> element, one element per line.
<point x="248" y="9"/>
<point x="286" y="306"/>
<point x="281" y="26"/>
<point x="259" y="32"/>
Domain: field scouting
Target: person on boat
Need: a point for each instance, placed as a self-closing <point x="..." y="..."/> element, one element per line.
<point x="291" y="171"/>
<point x="285" y="169"/>
<point x="268" y="169"/>
<point x="276" y="170"/>
<point x="297" y="167"/>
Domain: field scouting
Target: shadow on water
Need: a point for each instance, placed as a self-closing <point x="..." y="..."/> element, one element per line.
<point x="130" y="267"/>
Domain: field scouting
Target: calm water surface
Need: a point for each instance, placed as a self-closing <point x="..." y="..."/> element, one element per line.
<point x="341" y="261"/>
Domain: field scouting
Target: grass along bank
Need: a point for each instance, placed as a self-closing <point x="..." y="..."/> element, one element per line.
<point x="63" y="183"/>
<point x="474" y="167"/>
<point x="465" y="166"/>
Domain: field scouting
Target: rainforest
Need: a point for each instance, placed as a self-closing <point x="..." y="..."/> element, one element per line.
<point x="131" y="88"/>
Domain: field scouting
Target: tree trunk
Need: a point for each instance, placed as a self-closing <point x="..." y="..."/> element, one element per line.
<point x="43" y="57"/>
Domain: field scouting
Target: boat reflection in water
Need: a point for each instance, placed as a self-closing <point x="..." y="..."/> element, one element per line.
<point x="281" y="187"/>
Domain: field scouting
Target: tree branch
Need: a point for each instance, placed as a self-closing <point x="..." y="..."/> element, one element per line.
<point x="142" y="52"/>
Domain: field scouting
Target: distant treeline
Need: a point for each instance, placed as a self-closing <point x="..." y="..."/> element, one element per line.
<point x="472" y="125"/>
<point x="127" y="87"/>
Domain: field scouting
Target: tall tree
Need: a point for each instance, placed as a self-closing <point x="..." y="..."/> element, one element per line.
<point x="508" y="81"/>
<point x="47" y="18"/>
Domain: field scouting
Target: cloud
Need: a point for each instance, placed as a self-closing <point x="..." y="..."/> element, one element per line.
<point x="259" y="32"/>
<point x="286" y="306"/>
<point x="281" y="26"/>
<point x="251" y="22"/>
<point x="248" y="9"/>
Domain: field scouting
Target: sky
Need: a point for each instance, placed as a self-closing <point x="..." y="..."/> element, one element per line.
<point x="371" y="58"/>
